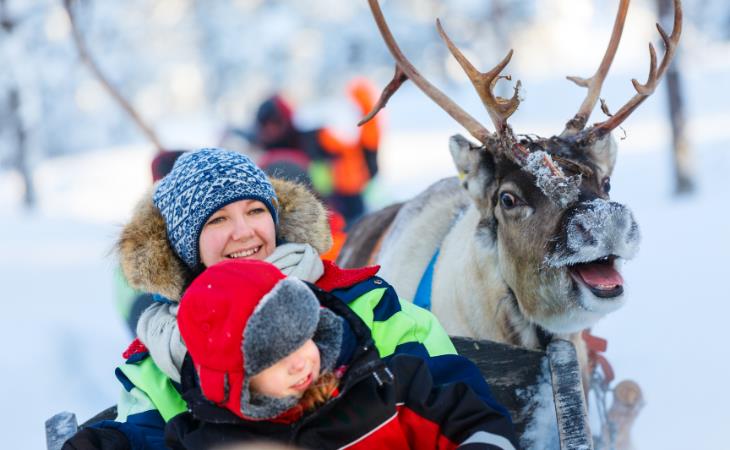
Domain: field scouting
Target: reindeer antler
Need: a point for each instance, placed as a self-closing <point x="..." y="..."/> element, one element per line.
<point x="398" y="79"/>
<point x="405" y="70"/>
<point x="498" y="108"/>
<point x="594" y="83"/>
<point x="86" y="58"/>
<point x="643" y="91"/>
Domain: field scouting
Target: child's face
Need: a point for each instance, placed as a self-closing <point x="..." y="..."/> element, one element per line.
<point x="242" y="229"/>
<point x="290" y="376"/>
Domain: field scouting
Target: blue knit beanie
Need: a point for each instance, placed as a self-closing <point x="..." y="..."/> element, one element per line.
<point x="201" y="183"/>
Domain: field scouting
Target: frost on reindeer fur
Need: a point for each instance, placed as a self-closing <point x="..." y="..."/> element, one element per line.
<point x="541" y="431"/>
<point x="610" y="223"/>
<point x="607" y="219"/>
<point x="561" y="190"/>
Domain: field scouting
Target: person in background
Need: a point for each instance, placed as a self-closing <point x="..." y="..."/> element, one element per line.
<point x="337" y="169"/>
<point x="267" y="352"/>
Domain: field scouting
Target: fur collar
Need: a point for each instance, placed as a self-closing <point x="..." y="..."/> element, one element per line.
<point x="149" y="263"/>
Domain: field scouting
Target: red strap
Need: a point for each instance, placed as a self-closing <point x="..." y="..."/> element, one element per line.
<point x="336" y="278"/>
<point x="135" y="347"/>
<point x="596" y="346"/>
<point x="606" y="366"/>
<point x="594" y="343"/>
<point x="213" y="384"/>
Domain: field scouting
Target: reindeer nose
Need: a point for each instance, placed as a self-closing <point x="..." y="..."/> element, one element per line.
<point x="583" y="234"/>
<point x="606" y="226"/>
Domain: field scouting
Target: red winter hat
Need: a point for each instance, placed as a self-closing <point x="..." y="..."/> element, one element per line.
<point x="240" y="317"/>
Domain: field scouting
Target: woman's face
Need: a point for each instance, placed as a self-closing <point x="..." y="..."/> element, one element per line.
<point x="291" y="375"/>
<point x="242" y="229"/>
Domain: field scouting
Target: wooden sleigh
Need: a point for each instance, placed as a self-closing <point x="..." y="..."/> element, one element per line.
<point x="519" y="379"/>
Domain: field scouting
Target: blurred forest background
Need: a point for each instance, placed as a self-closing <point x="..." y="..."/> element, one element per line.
<point x="73" y="162"/>
<point x="209" y="63"/>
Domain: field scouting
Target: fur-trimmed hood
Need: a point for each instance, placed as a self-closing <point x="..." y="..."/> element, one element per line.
<point x="149" y="263"/>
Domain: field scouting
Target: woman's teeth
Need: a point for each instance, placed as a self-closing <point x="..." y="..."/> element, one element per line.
<point x="245" y="253"/>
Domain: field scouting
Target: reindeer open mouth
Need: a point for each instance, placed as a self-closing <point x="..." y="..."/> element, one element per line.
<point x="598" y="236"/>
<point x="600" y="276"/>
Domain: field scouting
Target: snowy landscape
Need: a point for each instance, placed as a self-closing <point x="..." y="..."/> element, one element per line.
<point x="64" y="337"/>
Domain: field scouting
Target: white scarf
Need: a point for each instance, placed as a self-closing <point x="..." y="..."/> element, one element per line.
<point x="297" y="260"/>
<point x="158" y="331"/>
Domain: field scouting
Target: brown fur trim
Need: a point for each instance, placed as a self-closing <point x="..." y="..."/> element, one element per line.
<point x="147" y="260"/>
<point x="149" y="263"/>
<point x="302" y="218"/>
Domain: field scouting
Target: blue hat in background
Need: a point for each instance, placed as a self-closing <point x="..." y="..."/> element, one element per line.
<point x="201" y="183"/>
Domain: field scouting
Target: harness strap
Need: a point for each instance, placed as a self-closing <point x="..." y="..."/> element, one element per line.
<point x="596" y="346"/>
<point x="543" y="337"/>
<point x="423" y="292"/>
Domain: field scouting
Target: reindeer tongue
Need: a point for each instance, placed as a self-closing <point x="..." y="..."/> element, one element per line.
<point x="599" y="276"/>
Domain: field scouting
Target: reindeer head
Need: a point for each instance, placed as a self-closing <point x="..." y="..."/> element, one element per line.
<point x="544" y="202"/>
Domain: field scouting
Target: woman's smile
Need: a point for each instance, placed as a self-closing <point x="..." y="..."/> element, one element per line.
<point x="245" y="253"/>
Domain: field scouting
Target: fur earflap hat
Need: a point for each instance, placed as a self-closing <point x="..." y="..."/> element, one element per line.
<point x="201" y="183"/>
<point x="240" y="317"/>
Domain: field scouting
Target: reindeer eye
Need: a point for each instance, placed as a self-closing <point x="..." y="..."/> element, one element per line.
<point x="606" y="185"/>
<point x="508" y="200"/>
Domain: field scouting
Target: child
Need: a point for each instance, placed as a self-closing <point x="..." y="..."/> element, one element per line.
<point x="273" y="358"/>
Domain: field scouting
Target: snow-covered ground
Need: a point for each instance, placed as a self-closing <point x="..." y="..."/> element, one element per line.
<point x="63" y="336"/>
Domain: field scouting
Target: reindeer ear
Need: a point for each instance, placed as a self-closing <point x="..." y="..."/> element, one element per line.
<point x="603" y="154"/>
<point x="465" y="155"/>
<point x="475" y="165"/>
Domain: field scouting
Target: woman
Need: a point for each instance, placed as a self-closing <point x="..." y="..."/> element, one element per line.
<point x="217" y="205"/>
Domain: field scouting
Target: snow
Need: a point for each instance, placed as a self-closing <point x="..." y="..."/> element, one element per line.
<point x="540" y="432"/>
<point x="59" y="327"/>
<point x="561" y="190"/>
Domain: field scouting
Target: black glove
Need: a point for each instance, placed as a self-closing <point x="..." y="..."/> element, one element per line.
<point x="98" y="439"/>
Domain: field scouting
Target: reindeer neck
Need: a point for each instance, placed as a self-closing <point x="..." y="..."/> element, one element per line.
<point x="522" y="332"/>
<point x="518" y="329"/>
<point x="467" y="285"/>
<point x="470" y="298"/>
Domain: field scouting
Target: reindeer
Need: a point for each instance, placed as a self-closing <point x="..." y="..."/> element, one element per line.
<point x="525" y="244"/>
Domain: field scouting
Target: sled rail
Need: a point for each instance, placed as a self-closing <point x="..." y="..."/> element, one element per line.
<point x="515" y="376"/>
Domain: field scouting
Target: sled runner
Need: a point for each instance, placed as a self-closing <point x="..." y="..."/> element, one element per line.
<point x="535" y="386"/>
